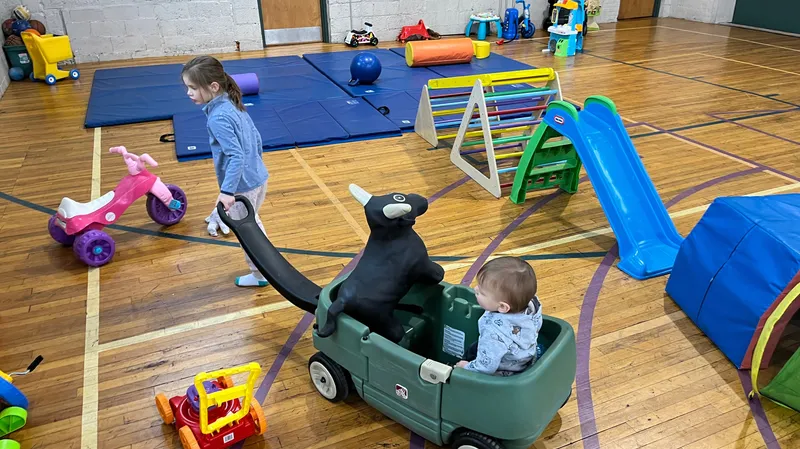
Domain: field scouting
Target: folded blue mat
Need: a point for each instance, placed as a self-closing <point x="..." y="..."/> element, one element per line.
<point x="310" y="124"/>
<point x="360" y="120"/>
<point x="491" y="64"/>
<point x="191" y="134"/>
<point x="142" y="94"/>
<point x="395" y="75"/>
<point x="402" y="107"/>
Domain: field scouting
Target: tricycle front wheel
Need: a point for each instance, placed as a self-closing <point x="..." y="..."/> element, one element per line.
<point x="94" y="248"/>
<point x="468" y="439"/>
<point x="58" y="234"/>
<point x="329" y="378"/>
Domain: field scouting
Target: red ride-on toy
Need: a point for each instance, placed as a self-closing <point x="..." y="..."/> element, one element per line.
<point x="211" y="415"/>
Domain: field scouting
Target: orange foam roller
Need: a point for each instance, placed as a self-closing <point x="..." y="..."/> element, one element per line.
<point x="439" y="52"/>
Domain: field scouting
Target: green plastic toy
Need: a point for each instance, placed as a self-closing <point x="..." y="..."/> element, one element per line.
<point x="415" y="384"/>
<point x="546" y="163"/>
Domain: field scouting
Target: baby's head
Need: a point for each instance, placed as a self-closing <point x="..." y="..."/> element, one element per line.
<point x="205" y="79"/>
<point x="505" y="285"/>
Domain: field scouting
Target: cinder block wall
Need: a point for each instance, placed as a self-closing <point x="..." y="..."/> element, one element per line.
<point x="102" y="30"/>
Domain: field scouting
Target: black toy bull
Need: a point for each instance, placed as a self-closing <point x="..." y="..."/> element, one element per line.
<point x="394" y="259"/>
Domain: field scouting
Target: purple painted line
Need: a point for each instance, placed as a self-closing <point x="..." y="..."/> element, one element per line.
<point x="583" y="384"/>
<point x="476" y="266"/>
<point x="758" y="412"/>
<point x="727" y="153"/>
<point x="308" y="319"/>
<point x="756" y="111"/>
<point x="751" y="128"/>
<point x="416" y="442"/>
<point x="583" y="342"/>
<point x="692" y="190"/>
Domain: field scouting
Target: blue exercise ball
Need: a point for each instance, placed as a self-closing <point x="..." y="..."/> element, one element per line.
<point x="365" y="68"/>
<point x="16" y="73"/>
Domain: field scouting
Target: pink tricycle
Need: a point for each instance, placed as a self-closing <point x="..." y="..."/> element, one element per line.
<point x="81" y="224"/>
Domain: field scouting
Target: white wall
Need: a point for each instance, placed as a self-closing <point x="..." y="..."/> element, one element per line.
<point x="4" y="79"/>
<point x="101" y="30"/>
<point x="446" y="17"/>
<point x="709" y="11"/>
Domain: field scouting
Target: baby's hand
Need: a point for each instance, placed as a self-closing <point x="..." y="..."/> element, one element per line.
<point x="462" y="364"/>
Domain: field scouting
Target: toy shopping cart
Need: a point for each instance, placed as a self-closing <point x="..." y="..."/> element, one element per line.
<point x="47" y="51"/>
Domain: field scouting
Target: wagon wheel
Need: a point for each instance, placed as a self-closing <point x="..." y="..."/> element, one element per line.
<point x="468" y="439"/>
<point x="257" y="413"/>
<point x="187" y="438"/>
<point x="162" y="404"/>
<point x="330" y="379"/>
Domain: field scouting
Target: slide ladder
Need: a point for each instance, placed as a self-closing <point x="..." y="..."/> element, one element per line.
<point x="647" y="238"/>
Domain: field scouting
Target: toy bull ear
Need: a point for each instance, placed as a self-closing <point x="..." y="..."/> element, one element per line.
<point x="360" y="194"/>
<point x="396" y="210"/>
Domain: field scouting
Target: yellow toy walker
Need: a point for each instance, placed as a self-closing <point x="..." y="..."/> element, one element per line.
<point x="46" y="52"/>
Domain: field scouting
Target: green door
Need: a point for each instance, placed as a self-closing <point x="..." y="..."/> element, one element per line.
<point x="781" y="16"/>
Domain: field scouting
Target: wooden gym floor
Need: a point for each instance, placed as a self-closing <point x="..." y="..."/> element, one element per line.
<point x="712" y="110"/>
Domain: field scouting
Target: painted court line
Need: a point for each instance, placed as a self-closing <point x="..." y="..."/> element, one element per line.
<point x="92" y="330"/>
<point x="751" y="128"/>
<point x="729" y="37"/>
<point x="750" y="64"/>
<point x="342" y="210"/>
<point x="194" y="325"/>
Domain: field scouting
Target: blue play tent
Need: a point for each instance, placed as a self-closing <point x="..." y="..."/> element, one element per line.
<point x="735" y="267"/>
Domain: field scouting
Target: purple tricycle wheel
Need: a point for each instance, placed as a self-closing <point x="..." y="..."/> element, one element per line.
<point x="94" y="248"/>
<point x="58" y="234"/>
<point x="162" y="214"/>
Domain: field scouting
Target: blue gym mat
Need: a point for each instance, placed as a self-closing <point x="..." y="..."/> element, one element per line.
<point x="491" y="64"/>
<point x="301" y="124"/>
<point x="191" y="134"/>
<point x="402" y="107"/>
<point x="142" y="94"/>
<point x="395" y="76"/>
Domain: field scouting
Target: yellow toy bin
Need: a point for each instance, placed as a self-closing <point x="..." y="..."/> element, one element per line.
<point x="481" y="49"/>
<point x="46" y="52"/>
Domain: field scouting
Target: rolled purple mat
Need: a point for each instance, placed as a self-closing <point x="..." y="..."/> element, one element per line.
<point x="248" y="83"/>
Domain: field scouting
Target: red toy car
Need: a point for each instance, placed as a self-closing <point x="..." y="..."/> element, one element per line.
<point x="210" y="415"/>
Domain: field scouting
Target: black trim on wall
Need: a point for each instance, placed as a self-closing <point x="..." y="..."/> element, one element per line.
<point x="656" y="8"/>
<point x="323" y="17"/>
<point x="261" y="21"/>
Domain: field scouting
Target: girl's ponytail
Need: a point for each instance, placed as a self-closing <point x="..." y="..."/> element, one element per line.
<point x="234" y="92"/>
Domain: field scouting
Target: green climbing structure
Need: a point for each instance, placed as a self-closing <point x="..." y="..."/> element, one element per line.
<point x="546" y="163"/>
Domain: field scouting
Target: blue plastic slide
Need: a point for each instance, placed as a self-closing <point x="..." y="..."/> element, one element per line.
<point x="647" y="238"/>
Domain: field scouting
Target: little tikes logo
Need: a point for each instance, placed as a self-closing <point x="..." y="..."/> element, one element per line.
<point x="558" y="119"/>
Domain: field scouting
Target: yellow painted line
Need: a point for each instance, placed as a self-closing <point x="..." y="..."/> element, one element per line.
<point x="750" y="64"/>
<point x="665" y="58"/>
<point x="342" y="210"/>
<point x="729" y="37"/>
<point x="199" y="324"/>
<point x="92" y="331"/>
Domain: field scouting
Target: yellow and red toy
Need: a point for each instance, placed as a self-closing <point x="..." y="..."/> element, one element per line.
<point x="210" y="415"/>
